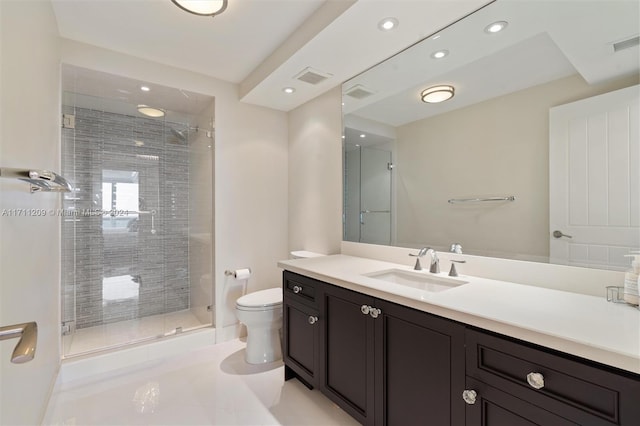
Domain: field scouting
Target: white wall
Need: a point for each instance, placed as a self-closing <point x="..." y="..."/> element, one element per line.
<point x="315" y="174"/>
<point x="29" y="246"/>
<point x="250" y="172"/>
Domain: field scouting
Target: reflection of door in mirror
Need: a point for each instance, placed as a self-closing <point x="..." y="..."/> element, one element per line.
<point x="368" y="185"/>
<point x="594" y="172"/>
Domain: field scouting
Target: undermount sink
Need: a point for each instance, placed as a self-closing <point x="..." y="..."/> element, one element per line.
<point x="420" y="280"/>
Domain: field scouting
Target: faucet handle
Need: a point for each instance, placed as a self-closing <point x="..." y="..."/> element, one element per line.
<point x="453" y="272"/>
<point x="456" y="248"/>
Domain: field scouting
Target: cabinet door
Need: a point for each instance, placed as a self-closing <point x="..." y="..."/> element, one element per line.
<point x="493" y="407"/>
<point x="420" y="360"/>
<point x="347" y="334"/>
<point x="301" y="341"/>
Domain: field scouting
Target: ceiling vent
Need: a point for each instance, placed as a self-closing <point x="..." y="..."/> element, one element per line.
<point x="311" y="76"/>
<point x="359" y="92"/>
<point x="626" y="44"/>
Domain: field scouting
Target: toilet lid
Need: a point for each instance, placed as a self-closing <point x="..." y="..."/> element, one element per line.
<point x="262" y="298"/>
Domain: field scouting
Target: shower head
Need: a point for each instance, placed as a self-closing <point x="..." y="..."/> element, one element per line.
<point x="180" y="134"/>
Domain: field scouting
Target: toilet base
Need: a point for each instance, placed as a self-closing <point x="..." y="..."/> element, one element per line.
<point x="263" y="345"/>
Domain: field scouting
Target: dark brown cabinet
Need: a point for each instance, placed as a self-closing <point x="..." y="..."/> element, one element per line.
<point x="570" y="388"/>
<point x="301" y="329"/>
<point x="387" y="365"/>
<point x="348" y="376"/>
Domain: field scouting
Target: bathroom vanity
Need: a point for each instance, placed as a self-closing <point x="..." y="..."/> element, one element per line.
<point x="392" y="346"/>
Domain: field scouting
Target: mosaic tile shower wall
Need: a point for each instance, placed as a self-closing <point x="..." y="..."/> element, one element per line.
<point x="125" y="251"/>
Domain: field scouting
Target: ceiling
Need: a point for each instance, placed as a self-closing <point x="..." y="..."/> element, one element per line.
<point x="260" y="44"/>
<point x="544" y="41"/>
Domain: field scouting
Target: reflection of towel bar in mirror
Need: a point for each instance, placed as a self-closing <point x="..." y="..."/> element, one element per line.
<point x="481" y="200"/>
<point x="40" y="180"/>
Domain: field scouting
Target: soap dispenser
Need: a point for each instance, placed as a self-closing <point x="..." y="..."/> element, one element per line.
<point x="632" y="279"/>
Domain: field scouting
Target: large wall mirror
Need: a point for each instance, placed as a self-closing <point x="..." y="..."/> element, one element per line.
<point x="536" y="156"/>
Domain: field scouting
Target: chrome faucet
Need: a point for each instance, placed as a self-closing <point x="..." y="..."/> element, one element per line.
<point x="421" y="253"/>
<point x="435" y="262"/>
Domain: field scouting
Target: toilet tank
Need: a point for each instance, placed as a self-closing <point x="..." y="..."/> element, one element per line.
<point x="303" y="254"/>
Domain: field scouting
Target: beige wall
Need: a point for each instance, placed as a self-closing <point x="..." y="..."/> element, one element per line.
<point x="29" y="246"/>
<point x="479" y="151"/>
<point x="315" y="175"/>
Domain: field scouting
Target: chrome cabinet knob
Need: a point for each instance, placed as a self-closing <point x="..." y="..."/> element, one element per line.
<point x="297" y="289"/>
<point x="365" y="309"/>
<point x="469" y="396"/>
<point x="535" y="380"/>
<point x="312" y="320"/>
<point x="374" y="312"/>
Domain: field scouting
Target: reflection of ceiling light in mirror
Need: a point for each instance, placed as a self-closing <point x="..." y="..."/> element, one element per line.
<point x="435" y="37"/>
<point x="145" y="88"/>
<point x="496" y="27"/>
<point x="436" y="94"/>
<point x="139" y="143"/>
<point x="343" y="136"/>
<point x="288" y="90"/>
<point x="440" y="54"/>
<point x="150" y="111"/>
<point x="387" y="24"/>
<point x="363" y="135"/>
<point x="202" y="7"/>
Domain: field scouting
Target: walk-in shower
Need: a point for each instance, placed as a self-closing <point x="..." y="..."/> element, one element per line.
<point x="137" y="229"/>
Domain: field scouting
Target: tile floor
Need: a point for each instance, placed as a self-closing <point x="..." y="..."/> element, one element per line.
<point x="120" y="333"/>
<point x="209" y="386"/>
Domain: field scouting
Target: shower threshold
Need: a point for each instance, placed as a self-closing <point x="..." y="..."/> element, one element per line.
<point x="105" y="337"/>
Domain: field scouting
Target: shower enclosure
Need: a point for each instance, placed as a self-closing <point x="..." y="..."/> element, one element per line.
<point x="367" y="189"/>
<point x="137" y="229"/>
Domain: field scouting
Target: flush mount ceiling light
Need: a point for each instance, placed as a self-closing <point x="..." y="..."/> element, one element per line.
<point x="288" y="90"/>
<point x="150" y="111"/>
<point x="436" y="94"/>
<point x="440" y="54"/>
<point x="496" y="27"/>
<point x="387" y="24"/>
<point x="202" y="7"/>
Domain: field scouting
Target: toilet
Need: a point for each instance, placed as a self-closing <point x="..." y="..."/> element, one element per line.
<point x="261" y="313"/>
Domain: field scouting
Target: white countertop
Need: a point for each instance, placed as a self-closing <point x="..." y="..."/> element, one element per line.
<point x="581" y="325"/>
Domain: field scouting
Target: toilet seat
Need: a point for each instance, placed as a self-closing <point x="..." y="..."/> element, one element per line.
<point x="262" y="300"/>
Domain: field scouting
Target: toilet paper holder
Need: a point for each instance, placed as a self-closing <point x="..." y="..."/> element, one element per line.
<point x="235" y="272"/>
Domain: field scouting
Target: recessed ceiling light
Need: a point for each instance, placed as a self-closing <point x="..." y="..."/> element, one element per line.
<point x="288" y="90"/>
<point x="139" y="143"/>
<point x="496" y="27"/>
<point x="150" y="111"/>
<point x="343" y="136"/>
<point x="387" y="24"/>
<point x="363" y="135"/>
<point x="435" y="37"/>
<point x="357" y="144"/>
<point x="440" y="54"/>
<point x="436" y="94"/>
<point x="145" y="88"/>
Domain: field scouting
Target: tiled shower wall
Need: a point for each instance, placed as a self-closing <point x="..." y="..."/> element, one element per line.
<point x="152" y="251"/>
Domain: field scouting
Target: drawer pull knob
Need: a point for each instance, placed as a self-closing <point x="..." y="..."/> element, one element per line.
<point x="374" y="312"/>
<point x="535" y="380"/>
<point x="297" y="289"/>
<point x="365" y="309"/>
<point x="312" y="320"/>
<point x="469" y="396"/>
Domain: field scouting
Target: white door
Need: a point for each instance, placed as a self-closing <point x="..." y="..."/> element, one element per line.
<point x="594" y="180"/>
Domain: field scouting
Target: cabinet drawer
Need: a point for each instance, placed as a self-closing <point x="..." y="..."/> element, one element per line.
<point x="582" y="393"/>
<point x="300" y="288"/>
